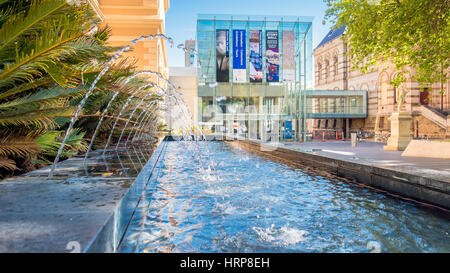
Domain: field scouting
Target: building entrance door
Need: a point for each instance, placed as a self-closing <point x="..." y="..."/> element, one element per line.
<point x="424" y="97"/>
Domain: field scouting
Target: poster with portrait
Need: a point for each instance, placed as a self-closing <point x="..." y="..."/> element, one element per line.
<point x="239" y="56"/>
<point x="222" y="56"/>
<point x="255" y="45"/>
<point x="272" y="56"/>
<point x="288" y="56"/>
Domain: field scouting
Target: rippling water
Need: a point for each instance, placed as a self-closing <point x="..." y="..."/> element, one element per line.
<point x="252" y="204"/>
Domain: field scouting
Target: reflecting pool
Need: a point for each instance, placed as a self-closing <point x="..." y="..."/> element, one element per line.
<point x="240" y="202"/>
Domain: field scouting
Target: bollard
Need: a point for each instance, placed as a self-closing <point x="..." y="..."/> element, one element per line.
<point x="323" y="136"/>
<point x="337" y="135"/>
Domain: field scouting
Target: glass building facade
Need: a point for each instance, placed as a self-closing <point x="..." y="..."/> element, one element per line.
<point x="255" y="77"/>
<point x="252" y="71"/>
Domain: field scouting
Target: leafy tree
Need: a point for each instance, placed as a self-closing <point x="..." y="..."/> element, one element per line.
<point x="407" y="33"/>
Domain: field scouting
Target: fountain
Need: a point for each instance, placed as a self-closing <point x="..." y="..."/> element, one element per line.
<point x="127" y="80"/>
<point x="147" y="120"/>
<point x="142" y="116"/>
<point x="146" y="72"/>
<point x="91" y="89"/>
<point x="131" y="116"/>
<point x="162" y="92"/>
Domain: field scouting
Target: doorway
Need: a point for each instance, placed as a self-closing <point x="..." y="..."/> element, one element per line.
<point x="424" y="100"/>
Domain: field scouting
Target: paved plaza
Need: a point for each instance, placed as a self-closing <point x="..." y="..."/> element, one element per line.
<point x="372" y="153"/>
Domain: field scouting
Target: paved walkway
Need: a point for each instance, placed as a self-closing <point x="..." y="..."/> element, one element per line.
<point x="372" y="153"/>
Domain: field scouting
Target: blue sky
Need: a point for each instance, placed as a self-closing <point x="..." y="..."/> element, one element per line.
<point x="181" y="18"/>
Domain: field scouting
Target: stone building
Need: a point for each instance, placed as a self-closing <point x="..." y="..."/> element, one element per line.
<point x="129" y="19"/>
<point x="185" y="80"/>
<point x="332" y="70"/>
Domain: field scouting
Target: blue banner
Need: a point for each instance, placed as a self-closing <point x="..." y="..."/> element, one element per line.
<point x="287" y="129"/>
<point x="239" y="56"/>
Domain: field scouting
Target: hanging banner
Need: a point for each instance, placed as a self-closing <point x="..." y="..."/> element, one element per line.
<point x="287" y="129"/>
<point x="222" y="56"/>
<point x="288" y="56"/>
<point x="272" y="56"/>
<point x="255" y="44"/>
<point x="239" y="56"/>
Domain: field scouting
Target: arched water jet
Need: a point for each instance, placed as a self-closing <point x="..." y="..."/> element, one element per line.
<point x="159" y="75"/>
<point x="147" y="114"/>
<point x="149" y="72"/>
<point x="149" y="119"/>
<point x="130" y="117"/>
<point x="137" y="156"/>
<point x="162" y="92"/>
<point x="141" y="129"/>
<point x="139" y="120"/>
<point x="132" y="161"/>
<point x="94" y="83"/>
<point x="121" y="111"/>
<point x="127" y="80"/>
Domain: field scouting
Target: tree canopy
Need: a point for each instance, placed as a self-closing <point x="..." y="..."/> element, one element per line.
<point x="408" y="33"/>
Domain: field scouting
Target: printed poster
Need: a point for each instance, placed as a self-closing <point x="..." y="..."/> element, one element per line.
<point x="272" y="56"/>
<point x="255" y="44"/>
<point x="222" y="56"/>
<point x="288" y="56"/>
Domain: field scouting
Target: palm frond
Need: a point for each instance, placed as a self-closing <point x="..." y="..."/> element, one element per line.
<point x="18" y="146"/>
<point x="8" y="164"/>
<point x="75" y="141"/>
<point x="44" y="118"/>
<point x="44" y="51"/>
<point x="28" y="22"/>
<point x="26" y="86"/>
<point x="43" y="98"/>
<point x="48" y="144"/>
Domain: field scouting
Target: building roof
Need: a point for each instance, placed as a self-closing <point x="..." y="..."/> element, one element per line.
<point x="333" y="34"/>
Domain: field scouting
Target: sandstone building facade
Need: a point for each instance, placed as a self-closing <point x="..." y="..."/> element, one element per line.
<point x="129" y="19"/>
<point x="332" y="70"/>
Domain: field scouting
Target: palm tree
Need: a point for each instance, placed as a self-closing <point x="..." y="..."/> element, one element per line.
<point x="50" y="52"/>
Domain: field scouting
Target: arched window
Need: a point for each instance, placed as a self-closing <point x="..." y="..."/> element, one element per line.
<point x="327" y="68"/>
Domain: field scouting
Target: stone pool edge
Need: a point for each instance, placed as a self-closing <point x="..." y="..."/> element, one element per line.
<point x="109" y="235"/>
<point x="417" y="187"/>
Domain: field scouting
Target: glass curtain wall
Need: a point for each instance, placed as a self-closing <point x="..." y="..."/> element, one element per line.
<point x="254" y="75"/>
